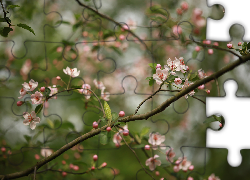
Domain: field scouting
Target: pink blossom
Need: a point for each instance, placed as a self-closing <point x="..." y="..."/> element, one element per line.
<point x="229" y="45"/>
<point x="213" y="177"/>
<point x="177" y="30"/>
<point x="153" y="162"/>
<point x="179" y="11"/>
<point x="72" y="72"/>
<point x="177" y="81"/>
<point x="104" y="164"/>
<point x="37" y="98"/>
<point x="173" y="64"/>
<point x="105" y="96"/>
<point x="201" y="86"/>
<point x="121" y="37"/>
<point x="22" y="93"/>
<point x="176" y="169"/>
<point x="190" y="178"/>
<point x="37" y="156"/>
<point x="31" y="119"/>
<point x="186" y="84"/>
<point x="46" y="152"/>
<point x="53" y="90"/>
<point x="191" y="168"/>
<point x="210" y="51"/>
<point x="158" y="66"/>
<point x="156" y="139"/>
<point x="206" y="42"/>
<point x="183" y="164"/>
<point x="30" y="86"/>
<point x="117" y="139"/>
<point x="85" y="90"/>
<point x="160" y="76"/>
<point x="19" y="103"/>
<point x="197" y="19"/>
<point x="59" y="49"/>
<point x="184" y="6"/>
<point x="98" y="84"/>
<point x="170" y="155"/>
<point x="201" y="74"/>
<point x="197" y="48"/>
<point x="239" y="44"/>
<point x="216" y="44"/>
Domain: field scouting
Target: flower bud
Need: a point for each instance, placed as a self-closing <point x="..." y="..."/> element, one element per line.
<point x="64" y="174"/>
<point x="95" y="157"/>
<point x="147" y="147"/>
<point x="197" y="48"/>
<point x="19" y="103"/>
<point x="104" y="164"/>
<point x="58" y="77"/>
<point x="42" y="89"/>
<point x="158" y="66"/>
<point x="210" y="51"/>
<point x="121" y="113"/>
<point x="239" y="44"/>
<point x="184" y="6"/>
<point x="126" y="132"/>
<point x="229" y="45"/>
<point x="108" y="129"/>
<point x="95" y="125"/>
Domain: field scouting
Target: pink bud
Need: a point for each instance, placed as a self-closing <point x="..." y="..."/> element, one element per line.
<point x="95" y="157"/>
<point x="121" y="113"/>
<point x="108" y="129"/>
<point x="201" y="86"/>
<point x="147" y="147"/>
<point x="208" y="91"/>
<point x="124" y="27"/>
<point x="121" y="37"/>
<point x="126" y="132"/>
<point x="216" y="44"/>
<point x="117" y="145"/>
<point x="210" y="51"/>
<point x="157" y="173"/>
<point x="93" y="168"/>
<point x="187" y="68"/>
<point x="190" y="178"/>
<point x="197" y="48"/>
<point x="179" y="11"/>
<point x="177" y="28"/>
<point x="71" y="166"/>
<point x="229" y="45"/>
<point x="64" y="174"/>
<point x="76" y="168"/>
<point x="104" y="164"/>
<point x="176" y="169"/>
<point x="220" y="125"/>
<point x="37" y="156"/>
<point x="63" y="162"/>
<point x="58" y="77"/>
<point x="95" y="125"/>
<point x="158" y="66"/>
<point x="59" y="49"/>
<point x="19" y="103"/>
<point x="239" y="44"/>
<point x="42" y="89"/>
<point x="184" y="6"/>
<point x="191" y="168"/>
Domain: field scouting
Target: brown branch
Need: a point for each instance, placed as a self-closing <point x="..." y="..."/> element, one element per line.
<point x="157" y="110"/>
<point x="5" y="13"/>
<point x="199" y="99"/>
<point x="148" y="98"/>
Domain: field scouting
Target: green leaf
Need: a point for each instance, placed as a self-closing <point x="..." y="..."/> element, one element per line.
<point x="148" y="78"/>
<point x="117" y="50"/>
<point x="171" y="78"/>
<point x="103" y="119"/>
<point x="68" y="43"/>
<point x="39" y="108"/>
<point x="5" y="31"/>
<point x="50" y="122"/>
<point x="107" y="111"/>
<point x="115" y="116"/>
<point x="151" y="82"/>
<point x="47" y="91"/>
<point x="152" y="65"/>
<point x="12" y="6"/>
<point x="78" y="24"/>
<point x="195" y="53"/>
<point x="248" y="45"/>
<point x="213" y="118"/>
<point x="62" y="22"/>
<point x="103" y="138"/>
<point x="28" y="138"/>
<point x="25" y="26"/>
<point x="4" y="20"/>
<point x="144" y="131"/>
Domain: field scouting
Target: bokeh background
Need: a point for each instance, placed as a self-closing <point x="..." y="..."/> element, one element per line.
<point x="67" y="34"/>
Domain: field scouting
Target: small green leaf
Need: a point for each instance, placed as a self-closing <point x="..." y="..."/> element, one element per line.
<point x="5" y="31"/>
<point x="213" y="118"/>
<point x="114" y="116"/>
<point x="28" y="138"/>
<point x="25" y="26"/>
<point x="107" y="111"/>
<point x="62" y="22"/>
<point x="151" y="82"/>
<point x="148" y="78"/>
<point x="152" y="65"/>
<point x="47" y="92"/>
<point x="39" y="108"/>
<point x="144" y="131"/>
<point x="103" y="119"/>
<point x="50" y="122"/>
<point x="12" y="6"/>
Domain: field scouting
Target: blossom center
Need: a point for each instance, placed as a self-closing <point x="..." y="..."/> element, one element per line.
<point x="30" y="118"/>
<point x="155" y="138"/>
<point x="161" y="75"/>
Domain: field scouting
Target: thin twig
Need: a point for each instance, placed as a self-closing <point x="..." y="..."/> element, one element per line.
<point x="135" y="154"/>
<point x="148" y="98"/>
<point x="35" y="173"/>
<point x="198" y="99"/>
<point x="5" y="13"/>
<point x="218" y="88"/>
